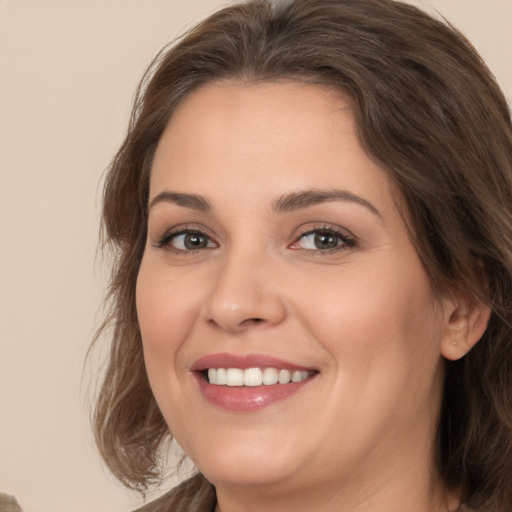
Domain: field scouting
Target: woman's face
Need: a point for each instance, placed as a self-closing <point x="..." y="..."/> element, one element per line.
<point x="276" y="250"/>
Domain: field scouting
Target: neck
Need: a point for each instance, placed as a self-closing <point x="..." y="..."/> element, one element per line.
<point x="411" y="488"/>
<point x="435" y="500"/>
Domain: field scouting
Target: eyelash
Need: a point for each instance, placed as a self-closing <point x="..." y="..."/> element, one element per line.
<point x="345" y="241"/>
<point x="165" y="241"/>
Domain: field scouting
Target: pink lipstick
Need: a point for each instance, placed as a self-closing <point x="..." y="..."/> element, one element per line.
<point x="249" y="382"/>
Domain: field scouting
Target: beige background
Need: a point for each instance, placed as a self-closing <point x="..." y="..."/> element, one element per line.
<point x="69" y="69"/>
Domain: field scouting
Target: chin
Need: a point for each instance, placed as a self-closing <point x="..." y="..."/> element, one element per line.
<point x="247" y="461"/>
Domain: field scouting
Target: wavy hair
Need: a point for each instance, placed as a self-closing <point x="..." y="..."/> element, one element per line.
<point x="429" y="111"/>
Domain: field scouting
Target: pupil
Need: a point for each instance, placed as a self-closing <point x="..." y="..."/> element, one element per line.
<point x="325" y="240"/>
<point x="195" y="241"/>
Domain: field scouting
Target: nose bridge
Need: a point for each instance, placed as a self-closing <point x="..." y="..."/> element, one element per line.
<point x="242" y="293"/>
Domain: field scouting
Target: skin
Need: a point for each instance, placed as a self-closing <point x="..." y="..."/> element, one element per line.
<point x="360" y="435"/>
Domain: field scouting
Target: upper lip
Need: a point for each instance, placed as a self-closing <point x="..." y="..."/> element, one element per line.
<point x="225" y="360"/>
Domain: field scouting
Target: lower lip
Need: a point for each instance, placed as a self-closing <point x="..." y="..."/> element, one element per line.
<point x="247" y="398"/>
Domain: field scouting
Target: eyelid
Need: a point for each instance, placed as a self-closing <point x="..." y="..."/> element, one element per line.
<point x="347" y="238"/>
<point x="163" y="242"/>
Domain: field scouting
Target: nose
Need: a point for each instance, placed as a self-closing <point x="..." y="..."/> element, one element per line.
<point x="244" y="295"/>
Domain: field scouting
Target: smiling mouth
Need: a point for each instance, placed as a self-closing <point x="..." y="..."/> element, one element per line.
<point x="254" y="377"/>
<point x="250" y="382"/>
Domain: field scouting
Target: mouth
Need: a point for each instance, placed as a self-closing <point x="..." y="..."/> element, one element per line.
<point x="250" y="382"/>
<point x="254" y="377"/>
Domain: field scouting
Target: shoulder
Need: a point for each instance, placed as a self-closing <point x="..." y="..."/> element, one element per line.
<point x="195" y="494"/>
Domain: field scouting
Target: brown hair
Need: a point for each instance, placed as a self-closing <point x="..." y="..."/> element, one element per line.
<point x="429" y="111"/>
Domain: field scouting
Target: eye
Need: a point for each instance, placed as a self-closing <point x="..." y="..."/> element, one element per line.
<point x="186" y="240"/>
<point x="323" y="239"/>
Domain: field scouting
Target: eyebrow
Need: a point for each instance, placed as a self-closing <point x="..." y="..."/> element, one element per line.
<point x="284" y="204"/>
<point x="305" y="199"/>
<point x="192" y="201"/>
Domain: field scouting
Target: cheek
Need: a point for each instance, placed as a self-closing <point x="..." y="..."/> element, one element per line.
<point x="383" y="336"/>
<point x="373" y="315"/>
<point x="166" y="308"/>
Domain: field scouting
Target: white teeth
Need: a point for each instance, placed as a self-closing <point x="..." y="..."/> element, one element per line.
<point x="234" y="377"/>
<point x="218" y="376"/>
<point x="270" y="376"/>
<point x="221" y="376"/>
<point x="298" y="376"/>
<point x="254" y="376"/>
<point x="285" y="376"/>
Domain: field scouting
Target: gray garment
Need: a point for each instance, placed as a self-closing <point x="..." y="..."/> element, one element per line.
<point x="8" y="503"/>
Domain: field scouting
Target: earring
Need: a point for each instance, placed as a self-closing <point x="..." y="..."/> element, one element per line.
<point x="454" y="342"/>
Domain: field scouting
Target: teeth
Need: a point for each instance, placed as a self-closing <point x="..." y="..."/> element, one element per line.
<point x="221" y="376"/>
<point x="270" y="376"/>
<point x="298" y="376"/>
<point x="234" y="377"/>
<point x="285" y="376"/>
<point x="252" y="377"/>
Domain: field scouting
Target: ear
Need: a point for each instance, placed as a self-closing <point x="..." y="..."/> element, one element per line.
<point x="465" y="323"/>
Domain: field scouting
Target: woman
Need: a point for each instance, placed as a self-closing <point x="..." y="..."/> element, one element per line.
<point x="312" y="219"/>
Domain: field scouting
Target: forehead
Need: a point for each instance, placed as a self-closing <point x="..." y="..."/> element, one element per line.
<point x="229" y="113"/>
<point x="272" y="138"/>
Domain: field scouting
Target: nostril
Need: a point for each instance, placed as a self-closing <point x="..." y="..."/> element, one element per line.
<point x="254" y="320"/>
<point x="246" y="322"/>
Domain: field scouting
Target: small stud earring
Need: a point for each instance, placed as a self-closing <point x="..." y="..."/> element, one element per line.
<point x="454" y="342"/>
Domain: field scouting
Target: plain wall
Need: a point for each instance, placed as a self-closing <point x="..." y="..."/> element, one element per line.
<point x="69" y="70"/>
